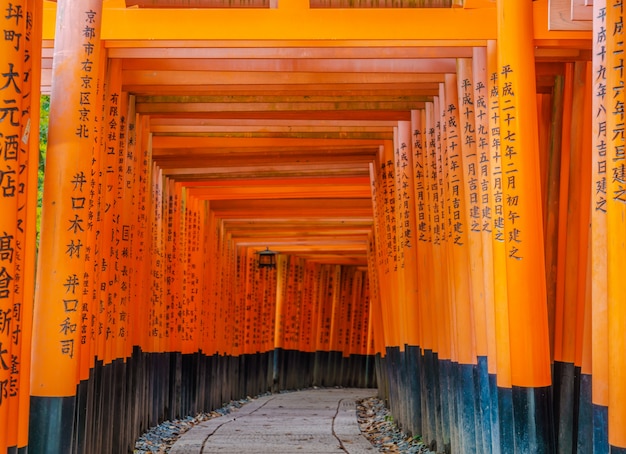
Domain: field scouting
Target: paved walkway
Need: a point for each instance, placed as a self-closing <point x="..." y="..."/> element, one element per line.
<point x="313" y="421"/>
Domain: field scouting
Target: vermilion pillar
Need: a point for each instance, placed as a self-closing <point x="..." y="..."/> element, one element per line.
<point x="616" y="224"/>
<point x="56" y="342"/>
<point x="20" y="53"/>
<point x="600" y="372"/>
<point x="523" y="229"/>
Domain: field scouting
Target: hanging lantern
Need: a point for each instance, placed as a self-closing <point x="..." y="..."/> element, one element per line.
<point x="267" y="258"/>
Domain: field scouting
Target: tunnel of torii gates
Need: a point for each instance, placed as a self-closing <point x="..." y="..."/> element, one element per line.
<point x="443" y="181"/>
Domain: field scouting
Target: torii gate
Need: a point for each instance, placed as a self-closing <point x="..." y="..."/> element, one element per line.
<point x="427" y="172"/>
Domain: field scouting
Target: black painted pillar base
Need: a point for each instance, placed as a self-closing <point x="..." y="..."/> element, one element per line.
<point x="51" y="424"/>
<point x="533" y="418"/>
<point x="600" y="429"/>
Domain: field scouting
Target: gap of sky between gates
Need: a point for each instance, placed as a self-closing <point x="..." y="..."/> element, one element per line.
<point x="443" y="184"/>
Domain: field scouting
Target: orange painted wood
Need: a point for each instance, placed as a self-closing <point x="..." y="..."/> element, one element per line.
<point x="29" y="249"/>
<point x="423" y="226"/>
<point x="56" y="341"/>
<point x="11" y="129"/>
<point x="461" y="304"/>
<point x="406" y="228"/>
<point x="598" y="244"/>
<point x="530" y="350"/>
<point x="616" y="224"/>
<point x="472" y="198"/>
<point x="501" y="308"/>
<point x="582" y="103"/>
<point x="561" y="327"/>
<point x="483" y="151"/>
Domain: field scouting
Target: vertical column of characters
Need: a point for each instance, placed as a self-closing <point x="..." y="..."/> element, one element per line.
<point x="423" y="227"/>
<point x="466" y="82"/>
<point x="180" y="335"/>
<point x="525" y="262"/>
<point x="485" y="216"/>
<point x="308" y="310"/>
<point x="344" y="310"/>
<point x="503" y="356"/>
<point x="157" y="257"/>
<point x="376" y="313"/>
<point x="315" y="303"/>
<point x="182" y="308"/>
<point x="430" y="265"/>
<point x="443" y="231"/>
<point x="429" y="227"/>
<point x="406" y="225"/>
<point x="140" y="233"/>
<point x="124" y="332"/>
<point x="217" y="290"/>
<point x="293" y="310"/>
<point x="12" y="66"/>
<point x="191" y="260"/>
<point x="375" y="334"/>
<point x="616" y="222"/>
<point x="176" y="277"/>
<point x="357" y="304"/>
<point x="483" y="150"/>
<point x="210" y="344"/>
<point x="109" y="276"/>
<point x="204" y="265"/>
<point x="263" y="319"/>
<point x="445" y="430"/>
<point x="365" y="332"/>
<point x="326" y="314"/>
<point x="380" y="243"/>
<point x="456" y="225"/>
<point x="65" y="219"/>
<point x="30" y="44"/>
<point x="250" y="301"/>
<point x="598" y="249"/>
<point x="236" y="299"/>
<point x="270" y="278"/>
<point x="170" y="265"/>
<point x="96" y="264"/>
<point x="397" y="302"/>
<point x="461" y="301"/>
<point x="471" y="172"/>
<point x="225" y="293"/>
<point x="333" y="296"/>
<point x="290" y="305"/>
<point x="299" y="295"/>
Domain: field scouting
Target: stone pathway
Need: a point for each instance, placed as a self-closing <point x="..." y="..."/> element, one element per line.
<point x="309" y="422"/>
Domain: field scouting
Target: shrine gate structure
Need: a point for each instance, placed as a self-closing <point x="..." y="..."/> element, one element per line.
<point x="443" y="181"/>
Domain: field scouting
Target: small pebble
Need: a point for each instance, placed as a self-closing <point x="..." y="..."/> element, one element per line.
<point x="161" y="438"/>
<point x="377" y="425"/>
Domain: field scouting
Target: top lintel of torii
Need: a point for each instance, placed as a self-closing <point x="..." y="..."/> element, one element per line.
<point x="294" y="21"/>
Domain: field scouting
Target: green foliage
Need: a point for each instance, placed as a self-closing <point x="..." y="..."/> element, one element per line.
<point x="43" y="145"/>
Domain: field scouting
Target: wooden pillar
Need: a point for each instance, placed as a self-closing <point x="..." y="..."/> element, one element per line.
<point x="19" y="124"/>
<point x="473" y="207"/>
<point x="461" y="302"/>
<point x="486" y="216"/>
<point x="64" y="222"/>
<point x="503" y="391"/>
<point x="528" y="327"/>
<point x="616" y="224"/>
<point x="598" y="249"/>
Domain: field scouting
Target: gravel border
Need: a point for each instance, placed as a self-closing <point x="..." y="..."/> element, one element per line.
<point x="377" y="425"/>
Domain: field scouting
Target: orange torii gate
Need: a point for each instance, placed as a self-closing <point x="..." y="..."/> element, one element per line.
<point x="428" y="176"/>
